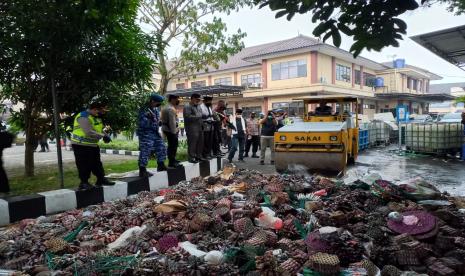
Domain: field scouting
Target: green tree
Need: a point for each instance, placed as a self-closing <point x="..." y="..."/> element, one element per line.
<point x="372" y="24"/>
<point x="195" y="24"/>
<point x="87" y="48"/>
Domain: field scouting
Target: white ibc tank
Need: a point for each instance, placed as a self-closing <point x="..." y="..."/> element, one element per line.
<point x="379" y="132"/>
<point x="434" y="138"/>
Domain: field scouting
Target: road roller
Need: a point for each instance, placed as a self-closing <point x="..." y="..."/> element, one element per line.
<point x="326" y="139"/>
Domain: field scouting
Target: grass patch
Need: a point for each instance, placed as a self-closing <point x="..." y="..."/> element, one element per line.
<point x="47" y="181"/>
<point x="132" y="145"/>
<point x="121" y="145"/>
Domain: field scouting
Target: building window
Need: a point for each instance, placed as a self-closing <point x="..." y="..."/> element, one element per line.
<point x="412" y="83"/>
<point x="369" y="106"/>
<point x="224" y="81"/>
<point x="369" y="79"/>
<point x="229" y="111"/>
<point x="289" y="70"/>
<point x="342" y="73"/>
<point x="251" y="80"/>
<point x="180" y="86"/>
<point x="420" y="85"/>
<point x="198" y="83"/>
<point x="249" y="109"/>
<point x="357" y="77"/>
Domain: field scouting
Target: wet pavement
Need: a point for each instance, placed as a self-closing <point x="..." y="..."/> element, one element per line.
<point x="446" y="174"/>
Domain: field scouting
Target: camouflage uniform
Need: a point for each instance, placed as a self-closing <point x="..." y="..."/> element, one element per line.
<point x="149" y="137"/>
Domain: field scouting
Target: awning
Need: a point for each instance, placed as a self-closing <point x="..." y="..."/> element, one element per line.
<point x="448" y="44"/>
<point x="213" y="90"/>
<point x="427" y="98"/>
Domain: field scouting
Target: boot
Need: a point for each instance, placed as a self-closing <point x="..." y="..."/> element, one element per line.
<point x="255" y="156"/>
<point x="161" y="167"/>
<point x="144" y="173"/>
<point x="104" y="182"/>
<point x="85" y="186"/>
<point x="174" y="164"/>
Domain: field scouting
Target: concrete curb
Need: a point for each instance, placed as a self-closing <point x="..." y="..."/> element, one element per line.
<point x="119" y="152"/>
<point x="16" y="208"/>
<point x="17" y="145"/>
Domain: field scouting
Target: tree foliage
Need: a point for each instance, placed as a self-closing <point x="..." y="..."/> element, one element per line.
<point x="372" y="24"/>
<point x="201" y="32"/>
<point x="90" y="48"/>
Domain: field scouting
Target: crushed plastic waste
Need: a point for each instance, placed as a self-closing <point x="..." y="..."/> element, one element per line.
<point x="245" y="223"/>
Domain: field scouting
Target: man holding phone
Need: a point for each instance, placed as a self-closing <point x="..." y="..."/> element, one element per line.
<point x="268" y="127"/>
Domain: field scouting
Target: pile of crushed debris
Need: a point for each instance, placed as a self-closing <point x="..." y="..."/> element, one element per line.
<point x="242" y="222"/>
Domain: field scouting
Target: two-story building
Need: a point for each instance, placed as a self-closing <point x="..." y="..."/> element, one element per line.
<point x="455" y="89"/>
<point x="270" y="76"/>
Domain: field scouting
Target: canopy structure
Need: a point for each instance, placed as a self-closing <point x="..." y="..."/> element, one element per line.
<point x="417" y="97"/>
<point x="327" y="98"/>
<point x="449" y="44"/>
<point x="214" y="91"/>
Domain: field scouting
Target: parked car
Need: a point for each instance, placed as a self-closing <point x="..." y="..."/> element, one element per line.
<point x="421" y="119"/>
<point x="451" y="118"/>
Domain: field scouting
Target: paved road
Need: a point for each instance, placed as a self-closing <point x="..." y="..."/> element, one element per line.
<point x="446" y="174"/>
<point x="13" y="159"/>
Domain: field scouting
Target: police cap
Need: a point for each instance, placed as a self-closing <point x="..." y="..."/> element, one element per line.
<point x="156" y="97"/>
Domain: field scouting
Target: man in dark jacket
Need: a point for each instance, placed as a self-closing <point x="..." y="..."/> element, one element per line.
<point x="208" y="121"/>
<point x="6" y="139"/>
<point x="219" y="118"/>
<point x="192" y="114"/>
<point x="169" y="119"/>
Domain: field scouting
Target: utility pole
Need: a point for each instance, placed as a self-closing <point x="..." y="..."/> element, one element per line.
<point x="57" y="130"/>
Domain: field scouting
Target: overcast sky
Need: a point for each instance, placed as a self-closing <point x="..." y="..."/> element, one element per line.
<point x="261" y="27"/>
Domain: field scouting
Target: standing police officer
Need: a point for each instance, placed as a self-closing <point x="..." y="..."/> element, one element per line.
<point x="87" y="131"/>
<point x="149" y="136"/>
<point x="169" y="119"/>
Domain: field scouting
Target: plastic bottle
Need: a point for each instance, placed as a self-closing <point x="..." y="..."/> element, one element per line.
<point x="267" y="221"/>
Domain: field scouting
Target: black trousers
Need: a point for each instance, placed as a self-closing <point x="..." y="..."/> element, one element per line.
<point x="4" y="185"/>
<point x="88" y="161"/>
<point x="207" y="143"/>
<point x="173" y="143"/>
<point x="254" y="142"/>
<point x="44" y="146"/>
<point x="194" y="143"/>
<point x="216" y="143"/>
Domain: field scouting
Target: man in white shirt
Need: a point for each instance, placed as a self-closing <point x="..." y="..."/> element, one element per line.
<point x="239" y="133"/>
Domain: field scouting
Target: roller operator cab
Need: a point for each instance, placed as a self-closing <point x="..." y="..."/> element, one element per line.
<point x="326" y="140"/>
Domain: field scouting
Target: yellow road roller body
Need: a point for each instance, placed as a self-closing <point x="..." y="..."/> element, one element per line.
<point x="323" y="143"/>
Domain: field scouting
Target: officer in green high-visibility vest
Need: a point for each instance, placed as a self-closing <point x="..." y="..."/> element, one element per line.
<point x="88" y="129"/>
<point x="181" y="127"/>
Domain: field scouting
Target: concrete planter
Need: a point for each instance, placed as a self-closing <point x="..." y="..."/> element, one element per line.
<point x="16" y="208"/>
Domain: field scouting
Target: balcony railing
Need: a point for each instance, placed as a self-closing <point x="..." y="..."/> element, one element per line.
<point x="386" y="90"/>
